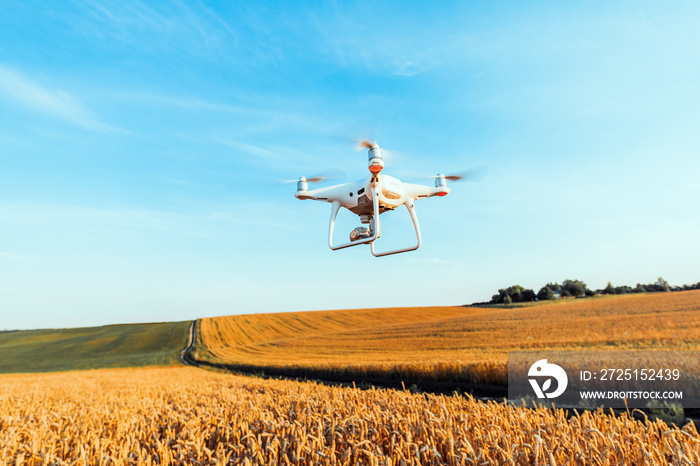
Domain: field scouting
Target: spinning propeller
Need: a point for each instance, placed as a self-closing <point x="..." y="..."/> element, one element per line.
<point x="365" y="144"/>
<point x="475" y="174"/>
<point x="330" y="174"/>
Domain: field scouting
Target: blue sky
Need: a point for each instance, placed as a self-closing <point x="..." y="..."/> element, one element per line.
<point x="141" y="146"/>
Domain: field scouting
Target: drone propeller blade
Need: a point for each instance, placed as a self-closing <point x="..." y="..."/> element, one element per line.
<point x="387" y="154"/>
<point x="330" y="174"/>
<point x="364" y="144"/>
<point x="475" y="174"/>
<point x="334" y="173"/>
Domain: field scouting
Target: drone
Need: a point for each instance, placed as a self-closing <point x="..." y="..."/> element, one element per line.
<point x="370" y="197"/>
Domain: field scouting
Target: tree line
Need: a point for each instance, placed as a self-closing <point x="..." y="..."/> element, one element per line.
<point x="578" y="289"/>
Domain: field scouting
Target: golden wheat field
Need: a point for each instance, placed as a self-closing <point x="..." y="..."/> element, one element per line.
<point x="183" y="415"/>
<point x="449" y="343"/>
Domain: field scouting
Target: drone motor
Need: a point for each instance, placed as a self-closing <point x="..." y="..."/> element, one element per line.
<point x="376" y="161"/>
<point x="302" y="184"/>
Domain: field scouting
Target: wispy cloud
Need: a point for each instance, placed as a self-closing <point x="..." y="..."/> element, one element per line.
<point x="248" y="149"/>
<point x="54" y="102"/>
<point x="360" y="38"/>
<point x="408" y="68"/>
<point x="186" y="103"/>
<point x="253" y="213"/>
<point x="195" y="220"/>
<point x="284" y="161"/>
<point x="197" y="28"/>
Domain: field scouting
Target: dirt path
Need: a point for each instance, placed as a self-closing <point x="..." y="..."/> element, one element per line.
<point x="185" y="354"/>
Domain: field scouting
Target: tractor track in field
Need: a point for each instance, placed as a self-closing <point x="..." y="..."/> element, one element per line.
<point x="186" y="354"/>
<point x="328" y="377"/>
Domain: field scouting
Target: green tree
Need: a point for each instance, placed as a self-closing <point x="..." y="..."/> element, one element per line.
<point x="527" y="295"/>
<point x="513" y="294"/>
<point x="662" y="285"/>
<point x="545" y="293"/>
<point x="573" y="288"/>
<point x="624" y="289"/>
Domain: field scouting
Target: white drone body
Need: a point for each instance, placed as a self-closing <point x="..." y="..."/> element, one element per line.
<point x="371" y="197"/>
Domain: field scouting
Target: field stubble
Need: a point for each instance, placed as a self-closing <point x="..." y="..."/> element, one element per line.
<point x="189" y="416"/>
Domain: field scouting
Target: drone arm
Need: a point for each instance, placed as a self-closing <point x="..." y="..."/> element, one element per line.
<point x="410" y="206"/>
<point x="335" y="207"/>
<point x="418" y="191"/>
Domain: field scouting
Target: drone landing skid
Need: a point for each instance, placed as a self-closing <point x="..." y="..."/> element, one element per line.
<point x="374" y="228"/>
<point x="412" y="212"/>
